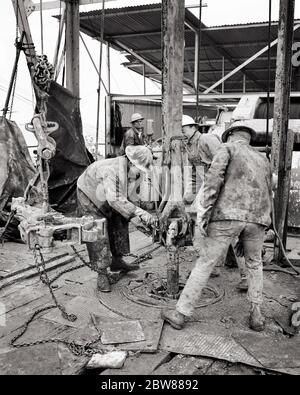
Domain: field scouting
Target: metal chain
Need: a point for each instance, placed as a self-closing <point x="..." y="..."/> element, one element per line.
<point x="75" y="348"/>
<point x="40" y="262"/>
<point x="138" y="260"/>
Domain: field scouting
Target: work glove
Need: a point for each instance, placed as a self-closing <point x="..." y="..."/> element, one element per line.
<point x="146" y="218"/>
<point x="137" y="222"/>
<point x="188" y="198"/>
<point x="167" y="214"/>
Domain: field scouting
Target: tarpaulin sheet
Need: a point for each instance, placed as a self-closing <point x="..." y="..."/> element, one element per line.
<point x="71" y="157"/>
<point x="16" y="168"/>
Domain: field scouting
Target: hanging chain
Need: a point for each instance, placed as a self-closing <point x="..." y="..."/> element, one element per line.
<point x="77" y="349"/>
<point x="40" y="263"/>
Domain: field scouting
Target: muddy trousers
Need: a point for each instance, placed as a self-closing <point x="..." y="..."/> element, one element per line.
<point x="220" y="235"/>
<point x="99" y="251"/>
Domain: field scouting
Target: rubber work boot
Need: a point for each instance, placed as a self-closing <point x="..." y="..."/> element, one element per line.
<point x="174" y="318"/>
<point x="242" y="285"/>
<point x="119" y="265"/>
<point x="257" y="321"/>
<point x="103" y="284"/>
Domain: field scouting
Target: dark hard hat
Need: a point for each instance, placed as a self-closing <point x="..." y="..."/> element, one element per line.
<point x="238" y="128"/>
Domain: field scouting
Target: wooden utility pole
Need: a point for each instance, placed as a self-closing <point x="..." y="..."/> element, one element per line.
<point x="72" y="46"/>
<point x="173" y="15"/>
<point x="282" y="139"/>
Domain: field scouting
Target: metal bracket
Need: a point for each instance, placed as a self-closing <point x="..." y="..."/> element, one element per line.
<point x="55" y="230"/>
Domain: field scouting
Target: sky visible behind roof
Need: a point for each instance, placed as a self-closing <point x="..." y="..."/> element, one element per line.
<point x="123" y="81"/>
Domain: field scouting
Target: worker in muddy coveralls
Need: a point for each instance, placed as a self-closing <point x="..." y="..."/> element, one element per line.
<point x="236" y="202"/>
<point x="102" y="193"/>
<point x="201" y="148"/>
<point x="134" y="135"/>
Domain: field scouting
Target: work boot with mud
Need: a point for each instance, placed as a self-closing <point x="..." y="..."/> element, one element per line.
<point x="174" y="318"/>
<point x="257" y="321"/>
<point x="242" y="286"/>
<point x="103" y="284"/>
<point x="119" y="265"/>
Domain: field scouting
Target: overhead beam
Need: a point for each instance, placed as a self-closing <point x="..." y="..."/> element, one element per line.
<point x="52" y="5"/>
<point x="205" y="46"/>
<point x="205" y="98"/>
<point x="241" y="66"/>
<point x="222" y="51"/>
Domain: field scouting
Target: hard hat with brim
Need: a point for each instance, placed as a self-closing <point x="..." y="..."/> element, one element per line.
<point x="136" y="117"/>
<point x="140" y="156"/>
<point x="188" y="121"/>
<point x="235" y="128"/>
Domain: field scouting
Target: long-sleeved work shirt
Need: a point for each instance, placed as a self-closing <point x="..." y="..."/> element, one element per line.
<point x="132" y="137"/>
<point x="238" y="185"/>
<point x="105" y="184"/>
<point x="202" y="148"/>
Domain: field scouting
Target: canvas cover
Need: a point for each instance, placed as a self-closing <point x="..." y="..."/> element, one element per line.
<point x="16" y="169"/>
<point x="72" y="157"/>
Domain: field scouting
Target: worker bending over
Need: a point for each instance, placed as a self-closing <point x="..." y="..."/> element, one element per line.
<point x="236" y="202"/>
<point x="102" y="193"/>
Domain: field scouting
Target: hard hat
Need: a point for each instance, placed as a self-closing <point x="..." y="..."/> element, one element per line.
<point x="187" y="120"/>
<point x="140" y="156"/>
<point x="235" y="127"/>
<point x="136" y="117"/>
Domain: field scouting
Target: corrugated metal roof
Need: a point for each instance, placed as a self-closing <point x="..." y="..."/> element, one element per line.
<point x="246" y="24"/>
<point x="139" y="29"/>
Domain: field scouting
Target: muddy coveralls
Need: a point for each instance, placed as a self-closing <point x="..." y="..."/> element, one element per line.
<point x="201" y="150"/>
<point x="102" y="193"/>
<point x="236" y="202"/>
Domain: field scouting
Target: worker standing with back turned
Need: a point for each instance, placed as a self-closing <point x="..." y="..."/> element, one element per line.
<point x="236" y="202"/>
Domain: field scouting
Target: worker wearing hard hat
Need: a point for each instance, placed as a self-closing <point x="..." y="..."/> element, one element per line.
<point x="134" y="135"/>
<point x="201" y="146"/>
<point x="236" y="202"/>
<point x="102" y="193"/>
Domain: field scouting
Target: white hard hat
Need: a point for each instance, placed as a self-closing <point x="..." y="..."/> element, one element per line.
<point x="187" y="120"/>
<point x="140" y="156"/>
<point x="136" y="117"/>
